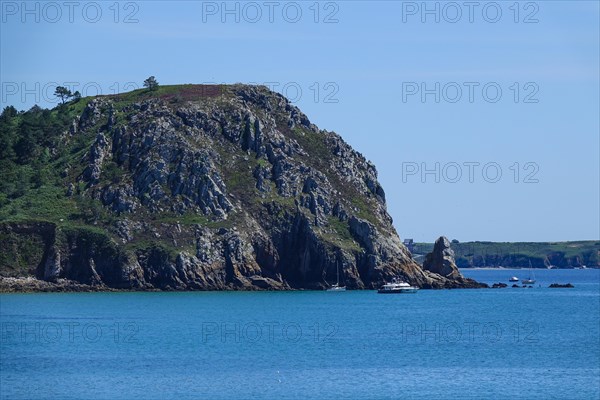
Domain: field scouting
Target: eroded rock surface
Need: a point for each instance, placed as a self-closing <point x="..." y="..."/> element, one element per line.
<point x="215" y="189"/>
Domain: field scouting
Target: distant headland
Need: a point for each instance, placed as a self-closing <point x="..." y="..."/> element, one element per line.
<point x="479" y="254"/>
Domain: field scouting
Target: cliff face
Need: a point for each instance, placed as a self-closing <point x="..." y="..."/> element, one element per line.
<point x="220" y="187"/>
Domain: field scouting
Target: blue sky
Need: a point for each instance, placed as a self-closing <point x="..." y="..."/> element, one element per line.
<point x="360" y="68"/>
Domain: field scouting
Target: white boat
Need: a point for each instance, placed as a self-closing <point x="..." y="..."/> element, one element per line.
<point x="337" y="287"/>
<point x="514" y="279"/>
<point x="397" y="287"/>
<point x="531" y="279"/>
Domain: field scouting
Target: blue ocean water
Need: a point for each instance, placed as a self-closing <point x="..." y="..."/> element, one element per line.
<point x="536" y="343"/>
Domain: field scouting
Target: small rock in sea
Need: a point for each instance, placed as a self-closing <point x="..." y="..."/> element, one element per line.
<point x="560" y="285"/>
<point x="515" y="285"/>
<point x="499" y="285"/>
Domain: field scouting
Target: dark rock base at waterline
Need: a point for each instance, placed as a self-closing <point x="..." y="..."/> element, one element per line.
<point x="33" y="285"/>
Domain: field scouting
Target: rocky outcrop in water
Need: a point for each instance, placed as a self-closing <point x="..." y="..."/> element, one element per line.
<point x="441" y="259"/>
<point x="561" y="285"/>
<point x="440" y="262"/>
<point x="222" y="188"/>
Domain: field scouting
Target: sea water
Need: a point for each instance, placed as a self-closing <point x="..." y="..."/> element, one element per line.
<point x="534" y="343"/>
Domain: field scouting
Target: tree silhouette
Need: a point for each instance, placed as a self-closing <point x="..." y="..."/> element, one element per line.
<point x="151" y="83"/>
<point x="63" y="93"/>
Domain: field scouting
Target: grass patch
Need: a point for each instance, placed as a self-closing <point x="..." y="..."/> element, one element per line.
<point x="338" y="233"/>
<point x="19" y="254"/>
<point x="45" y="203"/>
<point x="156" y="244"/>
<point x="171" y="93"/>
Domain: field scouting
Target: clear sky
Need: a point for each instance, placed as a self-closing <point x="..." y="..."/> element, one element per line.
<point x="481" y="117"/>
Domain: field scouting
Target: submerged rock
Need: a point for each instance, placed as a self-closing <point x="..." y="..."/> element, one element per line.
<point x="561" y="285"/>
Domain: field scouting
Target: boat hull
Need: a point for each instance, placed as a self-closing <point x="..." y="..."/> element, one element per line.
<point x="397" y="291"/>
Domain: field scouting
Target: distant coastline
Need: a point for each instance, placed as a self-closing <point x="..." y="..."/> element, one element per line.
<point x="516" y="255"/>
<point x="511" y="268"/>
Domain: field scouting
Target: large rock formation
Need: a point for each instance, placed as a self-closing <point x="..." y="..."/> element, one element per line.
<point x="212" y="188"/>
<point x="440" y="262"/>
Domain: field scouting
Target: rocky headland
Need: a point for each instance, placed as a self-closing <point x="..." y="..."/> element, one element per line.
<point x="197" y="188"/>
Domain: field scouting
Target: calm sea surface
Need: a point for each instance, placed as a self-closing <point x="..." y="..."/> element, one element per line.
<point x="536" y="343"/>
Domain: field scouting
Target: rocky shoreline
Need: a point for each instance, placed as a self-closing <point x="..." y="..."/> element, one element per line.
<point x="440" y="272"/>
<point x="33" y="285"/>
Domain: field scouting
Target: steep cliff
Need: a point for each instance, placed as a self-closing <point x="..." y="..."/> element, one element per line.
<point x="200" y="188"/>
